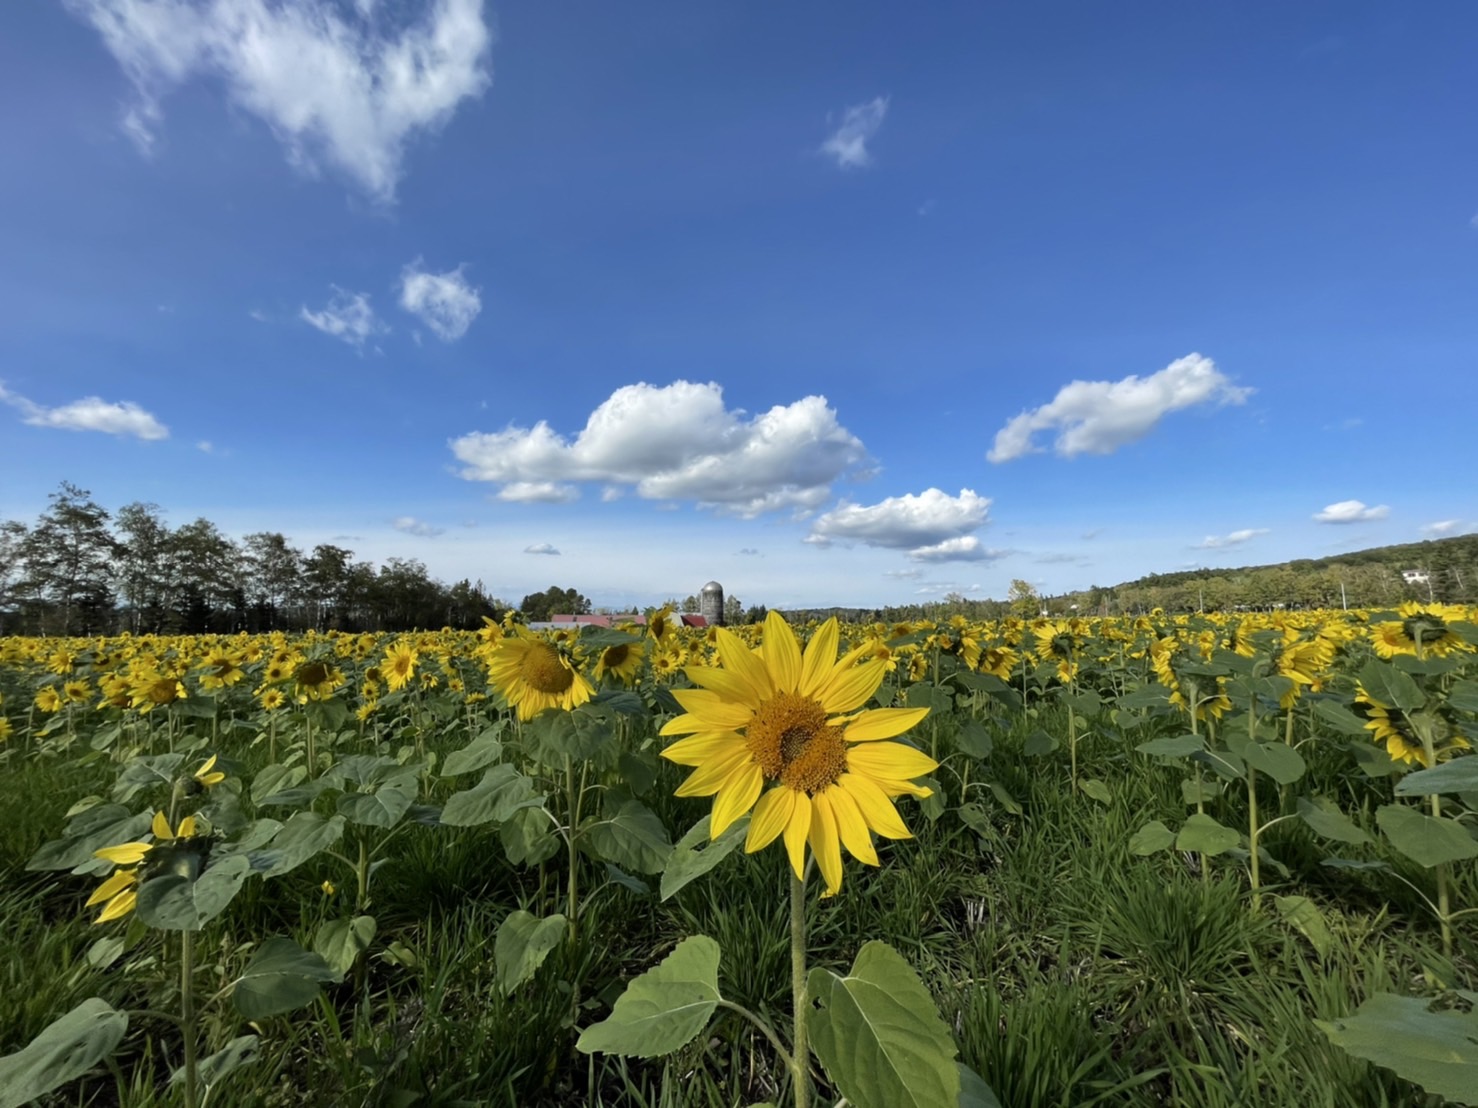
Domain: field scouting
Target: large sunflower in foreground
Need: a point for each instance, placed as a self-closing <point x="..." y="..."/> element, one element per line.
<point x="533" y="675"/>
<point x="775" y="717"/>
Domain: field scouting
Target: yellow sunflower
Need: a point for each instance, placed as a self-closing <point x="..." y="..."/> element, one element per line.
<point x="399" y="665"/>
<point x="795" y="722"/>
<point x="532" y="676"/>
<point x="622" y="662"/>
<point x="119" y="889"/>
<point x="48" y="699"/>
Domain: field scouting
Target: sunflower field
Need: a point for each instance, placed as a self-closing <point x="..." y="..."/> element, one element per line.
<point x="1204" y="860"/>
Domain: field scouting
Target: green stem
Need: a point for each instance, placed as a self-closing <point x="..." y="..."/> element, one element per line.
<point x="1444" y="906"/>
<point x="800" y="1001"/>
<point x="765" y="1028"/>
<point x="187" y="1017"/>
<point x="1253" y="830"/>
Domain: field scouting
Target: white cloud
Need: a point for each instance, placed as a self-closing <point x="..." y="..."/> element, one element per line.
<point x="538" y="492"/>
<point x="1236" y="538"/>
<point x="677" y="442"/>
<point x="1351" y="511"/>
<point x="540" y="548"/>
<point x="1098" y="417"/>
<point x="932" y="525"/>
<point x="91" y="413"/>
<point x="205" y="446"/>
<point x="1442" y="527"/>
<point x="904" y="574"/>
<point x="258" y="315"/>
<point x="410" y="525"/>
<point x="611" y="493"/>
<point x="335" y="89"/>
<point x="347" y="316"/>
<point x="445" y="302"/>
<point x="750" y="551"/>
<point x="847" y="145"/>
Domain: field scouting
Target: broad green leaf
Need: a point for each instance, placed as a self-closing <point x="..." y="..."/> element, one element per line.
<point x="528" y="837"/>
<point x="1464" y="696"/>
<point x="1280" y="762"/>
<point x="1224" y="763"/>
<point x="382" y="808"/>
<point x="156" y="771"/>
<point x="974" y="1092"/>
<point x="616" y="876"/>
<point x="240" y="1051"/>
<point x="1172" y="748"/>
<point x="1341" y="719"/>
<point x="480" y="753"/>
<point x="694" y="855"/>
<point x="340" y="942"/>
<point x="974" y="817"/>
<point x="523" y="942"/>
<point x="1193" y="791"/>
<point x="638" y="770"/>
<point x="1005" y="799"/>
<point x="664" y="1009"/>
<point x="1304" y="914"/>
<point x="301" y="837"/>
<point x="1387" y="684"/>
<point x="1457" y="776"/>
<point x="1152" y="838"/>
<point x="1097" y="790"/>
<point x="280" y="977"/>
<point x="1438" y="1050"/>
<point x="1203" y="835"/>
<point x="1374" y="760"/>
<point x="65" y="1050"/>
<point x="501" y="792"/>
<point x="275" y="778"/>
<point x="1330" y="822"/>
<point x="974" y="740"/>
<point x="631" y="836"/>
<point x="1038" y="743"/>
<point x="104" y="825"/>
<point x="176" y="903"/>
<point x="106" y="951"/>
<point x="879" y="1035"/>
<point x="1426" y="840"/>
<point x="1150" y="696"/>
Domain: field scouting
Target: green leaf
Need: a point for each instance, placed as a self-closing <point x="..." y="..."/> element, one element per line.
<point x="1341" y="719"/>
<point x="879" y="1035"/>
<point x="1374" y="760"/>
<point x="104" y="825"/>
<point x="1193" y="791"/>
<point x="1437" y="1050"/>
<point x="631" y="836"/>
<point x="1005" y="799"/>
<point x="974" y="740"/>
<point x="1354" y="865"/>
<point x="1387" y="684"/>
<point x="1152" y="838"/>
<point x="1464" y="696"/>
<point x="1280" y="762"/>
<point x="480" y="753"/>
<point x="1097" y="790"/>
<point x="174" y="902"/>
<point x="528" y="837"/>
<point x="664" y="1009"/>
<point x="694" y="855"/>
<point x="523" y="942"/>
<point x="240" y="1051"/>
<point x="274" y="778"/>
<point x="301" y="837"/>
<point x="1203" y="835"/>
<point x="1172" y="748"/>
<point x="974" y="1092"/>
<point x="501" y="792"/>
<point x="1327" y="820"/>
<point x="1150" y="696"/>
<point x="65" y="1050"/>
<point x="1426" y="840"/>
<point x="1457" y="776"/>
<point x="1038" y="743"/>
<point x="1304" y="914"/>
<point x="382" y="808"/>
<point x="280" y="977"/>
<point x="638" y="769"/>
<point x="340" y="942"/>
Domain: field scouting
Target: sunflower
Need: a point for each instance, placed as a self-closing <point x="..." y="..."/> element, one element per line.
<point x="623" y="662"/>
<point x="207" y="776"/>
<point x="118" y="890"/>
<point x="48" y="699"/>
<point x="532" y="676"/>
<point x="271" y="699"/>
<point x="77" y="692"/>
<point x="794" y="722"/>
<point x="399" y="665"/>
<point x="222" y="669"/>
<point x="150" y="690"/>
<point x="316" y="681"/>
<point x="660" y="623"/>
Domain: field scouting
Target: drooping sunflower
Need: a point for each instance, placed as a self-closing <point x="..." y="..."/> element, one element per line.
<point x="532" y="675"/>
<point x="622" y="662"/>
<point x="48" y="699"/>
<point x="399" y="664"/>
<point x="119" y="890"/>
<point x="794" y="722"/>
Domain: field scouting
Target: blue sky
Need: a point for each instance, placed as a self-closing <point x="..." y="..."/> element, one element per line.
<point x="833" y="303"/>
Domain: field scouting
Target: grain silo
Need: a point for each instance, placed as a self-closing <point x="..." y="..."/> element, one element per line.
<point x="711" y="603"/>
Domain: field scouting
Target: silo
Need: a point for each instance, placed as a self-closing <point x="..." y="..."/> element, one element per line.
<point x="711" y="603"/>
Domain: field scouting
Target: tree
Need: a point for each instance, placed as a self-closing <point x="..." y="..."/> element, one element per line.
<point x="733" y="609"/>
<point x="1025" y="601"/>
<point x="756" y="614"/>
<point x="69" y="556"/>
<point x="689" y="605"/>
<point x="274" y="572"/>
<point x="12" y="547"/>
<point x="325" y="581"/>
<point x="211" y="597"/>
<point x="541" y="606"/>
<point x="146" y="569"/>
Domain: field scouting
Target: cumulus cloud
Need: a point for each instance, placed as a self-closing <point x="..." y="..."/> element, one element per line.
<point x="1098" y="417"/>
<point x="91" y="413"/>
<point x="445" y="302"/>
<point x="675" y="442"/>
<point x="538" y="492"/>
<point x="1442" y="527"/>
<point x="410" y="525"/>
<point x="1351" y="511"/>
<point x="344" y="89"/>
<point x="347" y="316"/>
<point x="1236" y="538"/>
<point x="847" y="145"/>
<point x="932" y="525"/>
<point x="540" y="548"/>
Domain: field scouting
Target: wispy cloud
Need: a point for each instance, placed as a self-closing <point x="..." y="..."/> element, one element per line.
<point x="347" y="316"/>
<point x="91" y="413"/>
<point x="1098" y="417"/>
<point x="1441" y="527"/>
<point x="1236" y="538"/>
<point x="749" y="551"/>
<point x="847" y="145"/>
<point x="1351" y="511"/>
<point x="540" y="548"/>
<point x="342" y="88"/>
<point x="444" y="302"/>
<point x="410" y="525"/>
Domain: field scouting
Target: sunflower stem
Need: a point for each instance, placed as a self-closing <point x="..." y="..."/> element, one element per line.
<point x="187" y="1017"/>
<point x="801" y="1048"/>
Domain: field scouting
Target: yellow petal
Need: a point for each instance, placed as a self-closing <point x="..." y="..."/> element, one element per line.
<point x="110" y="888"/>
<point x="874" y="806"/>
<point x="203" y="770"/>
<point x="697" y="749"/>
<point x="851" y="688"/>
<point x="771" y="816"/>
<point x="739" y="660"/>
<point x="187" y="827"/>
<point x="782" y="654"/>
<point x="726" y="683"/>
<point x="821" y="652"/>
<point x="120" y="905"/>
<point x="903" y="763"/>
<point x="717" y="713"/>
<point x="882" y="723"/>
<point x="710" y="778"/>
<point x="851" y="827"/>
<point x="735" y="798"/>
<point x="124" y="854"/>
<point x="160" y="826"/>
<point x="893" y="787"/>
<point x="825" y="844"/>
<point x="796" y="833"/>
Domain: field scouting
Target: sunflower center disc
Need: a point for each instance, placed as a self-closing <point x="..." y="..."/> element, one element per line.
<point x="792" y="744"/>
<point x="544" y="672"/>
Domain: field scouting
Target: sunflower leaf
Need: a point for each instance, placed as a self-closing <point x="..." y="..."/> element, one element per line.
<point x="664" y="1009"/>
<point x="694" y="855"/>
<point x="280" y="977"/>
<point x="174" y="902"/>
<point x="1436" y="1050"/>
<point x="524" y="941"/>
<point x="66" y="1049"/>
<point x="1426" y="840"/>
<point x="629" y="834"/>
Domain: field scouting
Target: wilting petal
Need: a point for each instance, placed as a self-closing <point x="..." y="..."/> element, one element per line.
<point x="160" y="826"/>
<point x="882" y="723"/>
<point x="735" y="798"/>
<point x="771" y="816"/>
<point x="120" y="905"/>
